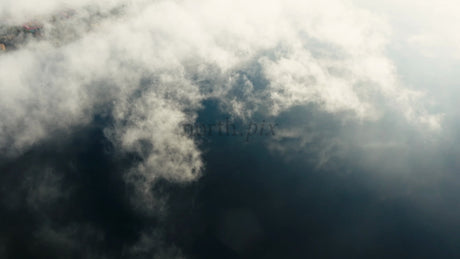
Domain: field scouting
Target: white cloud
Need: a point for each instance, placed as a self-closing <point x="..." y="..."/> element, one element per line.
<point x="430" y="27"/>
<point x="149" y="65"/>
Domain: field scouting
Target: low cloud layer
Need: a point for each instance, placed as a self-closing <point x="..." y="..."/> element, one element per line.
<point x="137" y="71"/>
<point x="155" y="58"/>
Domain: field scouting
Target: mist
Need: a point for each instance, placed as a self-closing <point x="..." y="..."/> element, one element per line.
<point x="95" y="163"/>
